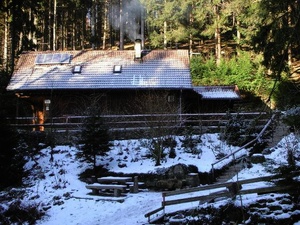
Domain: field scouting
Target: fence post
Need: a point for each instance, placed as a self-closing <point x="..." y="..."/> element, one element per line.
<point x="163" y="199"/>
<point x="212" y="171"/>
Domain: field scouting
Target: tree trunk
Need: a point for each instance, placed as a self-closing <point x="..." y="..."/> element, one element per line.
<point x="73" y="36"/>
<point x="165" y="35"/>
<point x="54" y="25"/>
<point x="5" y="44"/>
<point x="82" y="35"/>
<point x="218" y="36"/>
<point x="289" y="50"/>
<point x="121" y="27"/>
<point x="143" y="27"/>
<point x="190" y="35"/>
<point x="49" y="24"/>
<point x="105" y="24"/>
<point x="93" y="27"/>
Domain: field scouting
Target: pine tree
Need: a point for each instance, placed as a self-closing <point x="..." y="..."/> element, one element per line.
<point x="94" y="137"/>
<point x="277" y="33"/>
<point x="11" y="158"/>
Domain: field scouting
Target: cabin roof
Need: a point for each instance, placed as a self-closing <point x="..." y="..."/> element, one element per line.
<point x="94" y="69"/>
<point x="218" y="92"/>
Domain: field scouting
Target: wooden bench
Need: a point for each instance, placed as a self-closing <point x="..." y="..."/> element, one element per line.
<point x="117" y="188"/>
<point x="111" y="180"/>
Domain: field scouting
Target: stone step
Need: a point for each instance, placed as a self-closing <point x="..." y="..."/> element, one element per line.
<point x="231" y="172"/>
<point x="280" y="132"/>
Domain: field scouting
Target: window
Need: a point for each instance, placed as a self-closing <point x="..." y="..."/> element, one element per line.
<point x="117" y="69"/>
<point x="171" y="98"/>
<point x="77" y="69"/>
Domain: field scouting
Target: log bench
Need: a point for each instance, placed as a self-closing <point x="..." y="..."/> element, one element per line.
<point x="117" y="188"/>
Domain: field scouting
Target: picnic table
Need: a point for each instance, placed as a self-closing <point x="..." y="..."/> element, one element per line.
<point x="115" y="184"/>
<point x="117" y="189"/>
<point x="114" y="180"/>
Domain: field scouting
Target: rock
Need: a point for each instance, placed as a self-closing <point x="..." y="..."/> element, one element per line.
<point x="267" y="151"/>
<point x="178" y="219"/>
<point x="193" y="180"/>
<point x="170" y="184"/>
<point x="178" y="171"/>
<point x="122" y="165"/>
<point x="47" y="207"/>
<point x="257" y="158"/>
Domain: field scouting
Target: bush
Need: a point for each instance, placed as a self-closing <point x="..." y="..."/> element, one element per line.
<point x="11" y="157"/>
<point x="19" y="213"/>
<point x="171" y="144"/>
<point x="245" y="70"/>
<point x="292" y="118"/>
<point x="94" y="137"/>
<point x="190" y="142"/>
<point x="237" y="130"/>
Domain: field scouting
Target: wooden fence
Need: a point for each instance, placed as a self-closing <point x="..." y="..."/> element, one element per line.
<point x="230" y="190"/>
<point x="256" y="139"/>
<point x="201" y="121"/>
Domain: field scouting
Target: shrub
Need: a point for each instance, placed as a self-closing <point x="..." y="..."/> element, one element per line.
<point x="94" y="137"/>
<point x="292" y="118"/>
<point x="190" y="142"/>
<point x="171" y="144"/>
<point x="237" y="130"/>
<point x="19" y="213"/>
<point x="11" y="157"/>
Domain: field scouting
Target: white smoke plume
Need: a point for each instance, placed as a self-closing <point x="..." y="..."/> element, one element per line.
<point x="131" y="18"/>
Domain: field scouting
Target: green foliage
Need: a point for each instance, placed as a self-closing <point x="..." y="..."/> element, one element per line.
<point x="20" y="213"/>
<point x="292" y="118"/>
<point x="276" y="32"/>
<point x="157" y="150"/>
<point x="11" y="157"/>
<point x="245" y="70"/>
<point x="286" y="94"/>
<point x="171" y="144"/>
<point x="237" y="130"/>
<point x="94" y="137"/>
<point x="190" y="143"/>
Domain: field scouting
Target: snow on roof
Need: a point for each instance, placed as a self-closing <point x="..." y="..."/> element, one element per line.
<point x="158" y="69"/>
<point x="218" y="92"/>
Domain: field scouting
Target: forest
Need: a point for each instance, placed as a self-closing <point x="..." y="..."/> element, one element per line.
<point x="251" y="43"/>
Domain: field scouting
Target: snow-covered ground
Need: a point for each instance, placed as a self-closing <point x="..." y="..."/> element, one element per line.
<point x="55" y="185"/>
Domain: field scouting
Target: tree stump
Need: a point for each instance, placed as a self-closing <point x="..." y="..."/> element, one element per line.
<point x="193" y="180"/>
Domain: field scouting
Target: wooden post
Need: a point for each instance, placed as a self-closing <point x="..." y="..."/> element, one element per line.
<point x="135" y="185"/>
<point x="117" y="192"/>
<point x="193" y="180"/>
<point x="40" y="116"/>
<point x="164" y="199"/>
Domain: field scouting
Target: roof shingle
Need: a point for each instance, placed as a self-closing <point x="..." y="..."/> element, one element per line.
<point x="168" y="69"/>
<point x="218" y="92"/>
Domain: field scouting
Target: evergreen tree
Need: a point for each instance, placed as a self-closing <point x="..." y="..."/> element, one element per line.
<point x="277" y="33"/>
<point x="11" y="158"/>
<point x="94" y="137"/>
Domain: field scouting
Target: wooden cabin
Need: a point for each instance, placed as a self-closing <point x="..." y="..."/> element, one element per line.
<point x="57" y="83"/>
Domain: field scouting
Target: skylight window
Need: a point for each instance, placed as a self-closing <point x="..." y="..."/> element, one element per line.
<point x="77" y="69"/>
<point x="117" y="69"/>
<point x="56" y="58"/>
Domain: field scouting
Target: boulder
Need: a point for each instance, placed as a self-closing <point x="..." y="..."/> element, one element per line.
<point x="193" y="180"/>
<point x="178" y="171"/>
<point x="169" y="184"/>
<point x="257" y="158"/>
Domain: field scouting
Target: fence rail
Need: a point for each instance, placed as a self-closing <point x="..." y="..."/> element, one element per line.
<point x="140" y="121"/>
<point x="256" y="139"/>
<point x="230" y="189"/>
